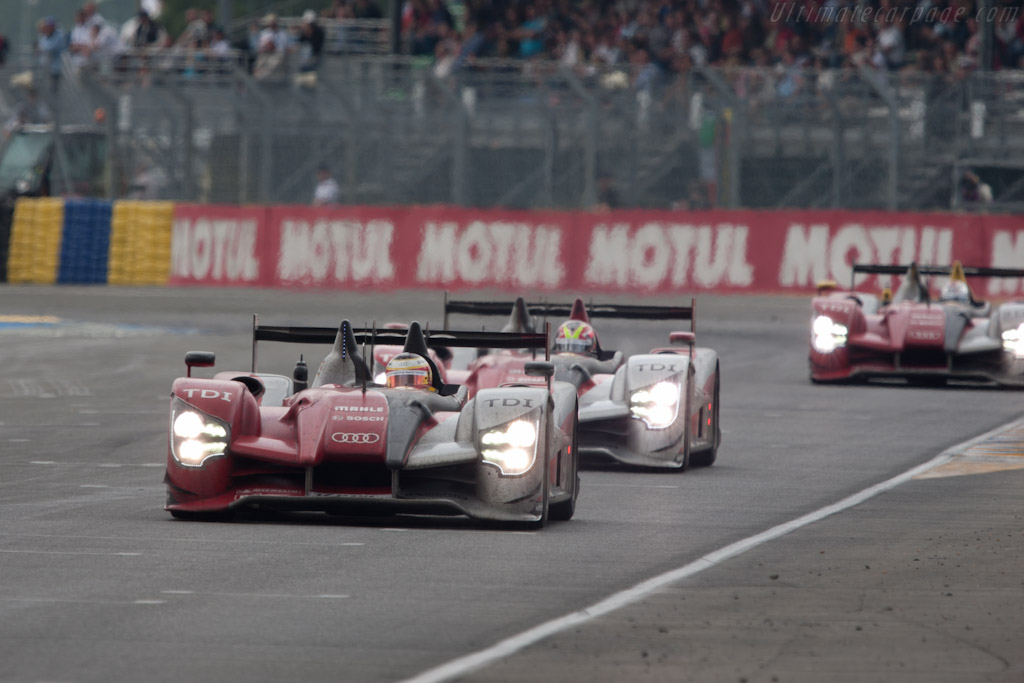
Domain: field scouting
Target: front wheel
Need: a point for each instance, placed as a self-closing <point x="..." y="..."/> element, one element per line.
<point x="707" y="458"/>
<point x="564" y="510"/>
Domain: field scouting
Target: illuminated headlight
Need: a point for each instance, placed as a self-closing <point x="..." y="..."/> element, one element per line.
<point x="511" y="447"/>
<point x="381" y="379"/>
<point x="657" y="405"/>
<point x="195" y="436"/>
<point x="827" y="335"/>
<point x="1013" y="340"/>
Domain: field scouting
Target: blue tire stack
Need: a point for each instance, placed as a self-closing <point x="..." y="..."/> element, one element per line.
<point x="85" y="242"/>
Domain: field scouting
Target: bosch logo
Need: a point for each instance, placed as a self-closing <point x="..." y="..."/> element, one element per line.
<point x="350" y="437"/>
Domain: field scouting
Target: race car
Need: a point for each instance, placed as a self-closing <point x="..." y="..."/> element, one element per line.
<point x="911" y="337"/>
<point x="659" y="409"/>
<point x="346" y="444"/>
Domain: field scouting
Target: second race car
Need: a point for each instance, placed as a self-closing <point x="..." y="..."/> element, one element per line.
<point x="658" y="409"/>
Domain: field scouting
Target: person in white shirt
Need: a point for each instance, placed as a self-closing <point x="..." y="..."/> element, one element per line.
<point x="326" y="192"/>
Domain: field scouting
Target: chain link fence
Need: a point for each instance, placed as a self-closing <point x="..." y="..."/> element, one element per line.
<point x="536" y="134"/>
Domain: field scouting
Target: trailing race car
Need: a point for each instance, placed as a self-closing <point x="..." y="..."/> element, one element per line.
<point x="659" y="409"/>
<point x="906" y="335"/>
<point x="347" y="444"/>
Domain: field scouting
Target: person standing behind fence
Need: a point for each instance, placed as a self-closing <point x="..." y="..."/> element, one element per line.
<point x="49" y="46"/>
<point x="326" y="192"/>
<point x="311" y="42"/>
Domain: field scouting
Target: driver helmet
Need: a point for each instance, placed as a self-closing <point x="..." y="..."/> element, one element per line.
<point x="575" y="336"/>
<point x="409" y="371"/>
<point x="955" y="291"/>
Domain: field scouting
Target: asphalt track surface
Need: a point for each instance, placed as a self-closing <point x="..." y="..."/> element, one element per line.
<point x="98" y="583"/>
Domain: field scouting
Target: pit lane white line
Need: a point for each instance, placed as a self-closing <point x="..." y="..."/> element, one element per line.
<point x="476" y="660"/>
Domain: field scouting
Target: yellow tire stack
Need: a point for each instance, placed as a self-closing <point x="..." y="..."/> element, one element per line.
<point x="35" y="240"/>
<point x="140" y="243"/>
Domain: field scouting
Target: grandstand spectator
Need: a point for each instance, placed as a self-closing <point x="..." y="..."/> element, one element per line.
<point x="270" y="66"/>
<point x="195" y="33"/>
<point x="50" y="44"/>
<point x="147" y="33"/>
<point x="93" y="17"/>
<point x="79" y="40"/>
<point x="326" y="192"/>
<point x="271" y="30"/>
<point x="311" y="42"/>
<point x="973" y="192"/>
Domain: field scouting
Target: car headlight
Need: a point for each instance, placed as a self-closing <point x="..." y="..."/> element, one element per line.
<point x="657" y="405"/>
<point x="196" y="436"/>
<point x="827" y="335"/>
<point x="1013" y="340"/>
<point x="511" y="447"/>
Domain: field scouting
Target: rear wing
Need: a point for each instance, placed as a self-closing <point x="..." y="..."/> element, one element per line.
<point x="548" y="309"/>
<point x="969" y="271"/>
<point x="371" y="336"/>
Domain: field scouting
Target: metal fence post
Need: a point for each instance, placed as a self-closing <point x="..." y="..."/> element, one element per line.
<point x="884" y="88"/>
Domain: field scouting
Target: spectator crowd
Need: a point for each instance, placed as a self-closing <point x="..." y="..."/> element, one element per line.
<point x="652" y="37"/>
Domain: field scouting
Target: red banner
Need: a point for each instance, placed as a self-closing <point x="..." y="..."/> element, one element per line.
<point x="619" y="252"/>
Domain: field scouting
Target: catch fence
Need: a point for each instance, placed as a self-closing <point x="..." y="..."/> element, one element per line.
<point x="539" y="134"/>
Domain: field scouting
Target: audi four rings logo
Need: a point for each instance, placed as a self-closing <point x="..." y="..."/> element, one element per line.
<point x="349" y="437"/>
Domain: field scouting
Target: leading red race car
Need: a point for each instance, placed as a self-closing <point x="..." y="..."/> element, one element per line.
<point x="911" y="336"/>
<point x="344" y="443"/>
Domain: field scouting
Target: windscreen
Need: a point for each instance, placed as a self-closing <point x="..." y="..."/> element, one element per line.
<point x="23" y="152"/>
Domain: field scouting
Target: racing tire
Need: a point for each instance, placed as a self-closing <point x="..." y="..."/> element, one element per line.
<point x="564" y="510"/>
<point x="545" y="504"/>
<point x="707" y="458"/>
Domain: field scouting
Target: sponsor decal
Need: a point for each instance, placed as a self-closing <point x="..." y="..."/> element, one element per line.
<point x="214" y="250"/>
<point x="814" y="252"/>
<point x="655" y="367"/>
<point x="924" y="335"/>
<point x="335" y="251"/>
<point x="207" y="393"/>
<point x="359" y="418"/>
<point x="360" y="409"/>
<point x="355" y="438"/>
<point x="669" y="256"/>
<point x="509" y="402"/>
<point x="1007" y="252"/>
<point x="497" y="252"/>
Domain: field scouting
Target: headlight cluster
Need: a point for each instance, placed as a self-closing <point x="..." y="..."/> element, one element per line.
<point x="511" y="447"/>
<point x="1013" y="340"/>
<point x="195" y="436"/>
<point x="827" y="335"/>
<point x="657" y="405"/>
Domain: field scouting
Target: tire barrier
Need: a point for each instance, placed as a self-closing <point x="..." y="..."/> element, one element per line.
<point x="89" y="241"/>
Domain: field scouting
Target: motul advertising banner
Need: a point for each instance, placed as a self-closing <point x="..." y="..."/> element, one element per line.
<point x="641" y="252"/>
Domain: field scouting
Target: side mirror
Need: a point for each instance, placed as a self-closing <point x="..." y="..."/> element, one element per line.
<point x="539" y="368"/>
<point x="682" y="338"/>
<point x="199" y="359"/>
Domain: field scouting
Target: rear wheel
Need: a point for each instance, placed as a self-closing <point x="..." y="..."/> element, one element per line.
<point x="564" y="510"/>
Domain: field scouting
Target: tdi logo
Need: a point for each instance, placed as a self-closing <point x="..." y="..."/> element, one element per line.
<point x="208" y="393"/>
<point x="510" y="402"/>
<point x="655" y="367"/>
<point x="349" y="437"/>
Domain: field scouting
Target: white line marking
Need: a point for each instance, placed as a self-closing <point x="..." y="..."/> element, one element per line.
<point x="158" y="539"/>
<point x="321" y="596"/>
<point x="94" y="486"/>
<point x="149" y="602"/>
<point x="476" y="660"/>
<point x="635" y="486"/>
<point x="67" y="552"/>
<point x="42" y="462"/>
